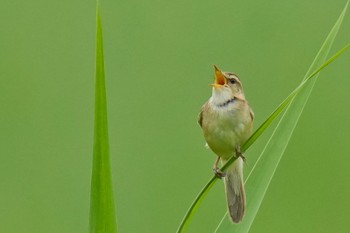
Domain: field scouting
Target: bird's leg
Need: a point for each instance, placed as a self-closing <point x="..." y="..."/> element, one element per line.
<point x="218" y="173"/>
<point x="239" y="153"/>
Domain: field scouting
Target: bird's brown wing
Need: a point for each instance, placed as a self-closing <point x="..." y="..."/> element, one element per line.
<point x="200" y="116"/>
<point x="252" y="114"/>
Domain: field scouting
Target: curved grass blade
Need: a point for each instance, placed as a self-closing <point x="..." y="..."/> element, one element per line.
<point x="262" y="173"/>
<point x="254" y="137"/>
<point x="102" y="212"/>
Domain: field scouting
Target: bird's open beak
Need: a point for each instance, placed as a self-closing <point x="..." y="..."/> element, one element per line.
<point x="220" y="79"/>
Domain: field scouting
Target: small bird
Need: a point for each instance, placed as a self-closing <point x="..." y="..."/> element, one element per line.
<point x="227" y="121"/>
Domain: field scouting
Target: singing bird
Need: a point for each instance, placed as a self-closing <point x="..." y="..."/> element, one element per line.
<point x="227" y="121"/>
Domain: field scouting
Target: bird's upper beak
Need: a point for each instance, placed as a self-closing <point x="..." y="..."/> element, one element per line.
<point x="220" y="79"/>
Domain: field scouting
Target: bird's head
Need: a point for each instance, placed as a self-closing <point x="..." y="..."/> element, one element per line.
<point x="226" y="86"/>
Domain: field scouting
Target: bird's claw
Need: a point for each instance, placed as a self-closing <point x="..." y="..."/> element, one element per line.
<point x="242" y="157"/>
<point x="239" y="154"/>
<point x="218" y="173"/>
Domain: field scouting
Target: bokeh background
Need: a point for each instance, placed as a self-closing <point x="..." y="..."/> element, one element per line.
<point x="158" y="59"/>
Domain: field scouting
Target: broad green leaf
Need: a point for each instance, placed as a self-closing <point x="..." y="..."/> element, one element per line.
<point x="262" y="173"/>
<point x="102" y="211"/>
<point x="286" y="103"/>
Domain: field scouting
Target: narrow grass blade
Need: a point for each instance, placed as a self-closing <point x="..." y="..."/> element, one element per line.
<point x="262" y="173"/>
<point x="102" y="212"/>
<point x="261" y="129"/>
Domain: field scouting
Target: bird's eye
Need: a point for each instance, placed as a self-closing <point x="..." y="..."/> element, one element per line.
<point x="232" y="81"/>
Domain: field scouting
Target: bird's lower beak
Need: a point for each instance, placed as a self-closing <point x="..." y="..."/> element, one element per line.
<point x="220" y="79"/>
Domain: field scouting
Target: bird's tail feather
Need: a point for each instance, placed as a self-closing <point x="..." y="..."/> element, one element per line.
<point x="234" y="187"/>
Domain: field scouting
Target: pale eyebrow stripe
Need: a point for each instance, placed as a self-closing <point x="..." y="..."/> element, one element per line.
<point x="233" y="74"/>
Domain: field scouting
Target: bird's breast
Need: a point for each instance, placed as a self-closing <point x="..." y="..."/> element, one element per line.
<point x="226" y="127"/>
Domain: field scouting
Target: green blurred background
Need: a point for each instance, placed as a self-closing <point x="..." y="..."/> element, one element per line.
<point x="158" y="59"/>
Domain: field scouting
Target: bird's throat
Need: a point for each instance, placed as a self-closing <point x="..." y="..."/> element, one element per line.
<point x="226" y="103"/>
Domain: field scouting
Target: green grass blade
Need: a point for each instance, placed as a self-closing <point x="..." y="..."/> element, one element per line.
<point x="262" y="173"/>
<point x="267" y="122"/>
<point x="102" y="212"/>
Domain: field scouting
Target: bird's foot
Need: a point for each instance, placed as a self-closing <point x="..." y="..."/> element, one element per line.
<point x="239" y="154"/>
<point x="218" y="173"/>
